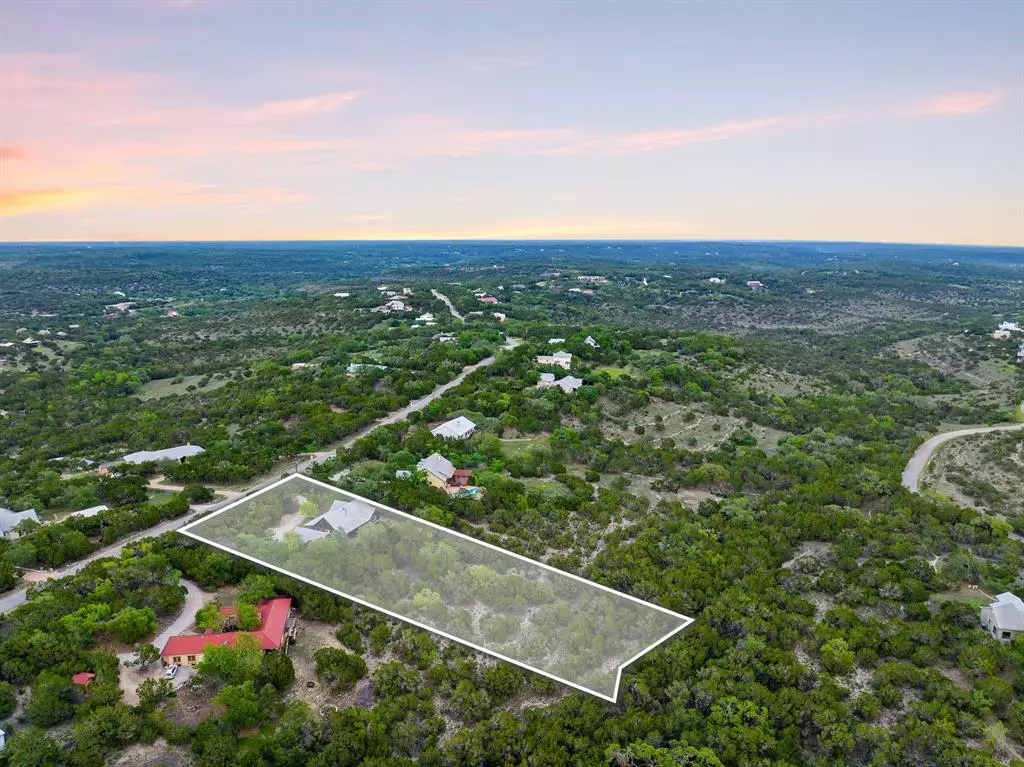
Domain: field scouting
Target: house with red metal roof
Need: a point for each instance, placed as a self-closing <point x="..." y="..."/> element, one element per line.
<point x="273" y="632"/>
<point x="83" y="678"/>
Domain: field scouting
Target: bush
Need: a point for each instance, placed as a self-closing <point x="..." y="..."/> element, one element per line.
<point x="339" y="668"/>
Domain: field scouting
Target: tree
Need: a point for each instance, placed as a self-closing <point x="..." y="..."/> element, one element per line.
<point x="196" y="493"/>
<point x="131" y="624"/>
<point x="8" y="698"/>
<point x="242" y="704"/>
<point x="277" y="670"/>
<point x="153" y="692"/>
<point x="53" y="699"/>
<point x="32" y="747"/>
<point x="339" y="668"/>
<point x="145" y="655"/>
<point x="255" y="588"/>
<point x="209" y="618"/>
<point x="836" y="657"/>
<point x="235" y="663"/>
<point x="247" y="617"/>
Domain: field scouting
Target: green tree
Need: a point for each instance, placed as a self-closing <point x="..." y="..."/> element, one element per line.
<point x="53" y="699"/>
<point x="242" y="705"/>
<point x="32" y="747"/>
<point x="153" y="692"/>
<point x="339" y="668"/>
<point x="236" y="663"/>
<point x="132" y="624"/>
<point x="209" y="618"/>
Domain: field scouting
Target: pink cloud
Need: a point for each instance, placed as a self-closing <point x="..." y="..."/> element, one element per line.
<point x="965" y="103"/>
<point x="309" y="106"/>
<point x="653" y="141"/>
<point x="10" y="152"/>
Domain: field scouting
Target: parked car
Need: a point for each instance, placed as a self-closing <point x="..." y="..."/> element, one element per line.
<point x="171" y="671"/>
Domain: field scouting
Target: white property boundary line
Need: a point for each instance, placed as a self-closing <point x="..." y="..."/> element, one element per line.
<point x="686" y="620"/>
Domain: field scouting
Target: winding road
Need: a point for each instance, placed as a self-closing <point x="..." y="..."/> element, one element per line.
<point x="923" y="455"/>
<point x="13" y="599"/>
<point x="451" y="307"/>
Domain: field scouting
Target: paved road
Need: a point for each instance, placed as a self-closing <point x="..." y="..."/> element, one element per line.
<point x="419" y="404"/>
<point x="921" y="458"/>
<point x="13" y="599"/>
<point x="451" y="307"/>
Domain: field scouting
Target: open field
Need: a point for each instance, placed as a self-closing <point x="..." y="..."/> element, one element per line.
<point x="984" y="472"/>
<point x="165" y="387"/>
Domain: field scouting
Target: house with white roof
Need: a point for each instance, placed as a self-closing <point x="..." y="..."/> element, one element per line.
<point x="589" y="341"/>
<point x="546" y="380"/>
<point x="1004" y="618"/>
<point x="562" y="359"/>
<point x="457" y="428"/>
<point x="11" y="519"/>
<point x="1013" y="327"/>
<point x="716" y="280"/>
<point x="394" y="305"/>
<point x="178" y="453"/>
<point x="343" y="517"/>
<point x="92" y="511"/>
<point x="342" y="295"/>
<point x="556" y="340"/>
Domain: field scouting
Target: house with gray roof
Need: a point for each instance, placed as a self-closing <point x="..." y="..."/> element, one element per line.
<point x="1004" y="618"/>
<point x="178" y="453"/>
<point x="343" y="517"/>
<point x="11" y="519"/>
<point x="569" y="384"/>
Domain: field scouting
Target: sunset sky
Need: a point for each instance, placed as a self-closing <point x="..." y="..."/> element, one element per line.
<point x="224" y="119"/>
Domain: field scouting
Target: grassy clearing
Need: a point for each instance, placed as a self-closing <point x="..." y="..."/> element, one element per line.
<point x="613" y="372"/>
<point x="159" y="498"/>
<point x="545" y="486"/>
<point x="165" y="387"/>
<point x="519" y="446"/>
<point x="704" y="432"/>
<point x="971" y="597"/>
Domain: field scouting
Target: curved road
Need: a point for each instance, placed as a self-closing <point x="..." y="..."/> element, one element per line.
<point x="12" y="599"/>
<point x="921" y="458"/>
<point x="451" y="307"/>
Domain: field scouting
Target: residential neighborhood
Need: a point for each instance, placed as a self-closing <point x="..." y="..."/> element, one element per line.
<point x="562" y="359"/>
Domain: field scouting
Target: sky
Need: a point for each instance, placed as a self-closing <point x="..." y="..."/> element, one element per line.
<point x="267" y="119"/>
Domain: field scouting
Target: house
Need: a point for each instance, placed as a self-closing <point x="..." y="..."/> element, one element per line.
<point x="274" y="630"/>
<point x="569" y="384"/>
<point x="556" y="340"/>
<point x="3" y="738"/>
<point x="342" y="295"/>
<point x="587" y="292"/>
<point x="444" y="338"/>
<point x="1020" y="354"/>
<point x="457" y="428"/>
<point x="589" y="341"/>
<point x="343" y="517"/>
<point x="575" y="290"/>
<point x="382" y="287"/>
<point x="179" y="453"/>
<point x="301" y="365"/>
<point x="20" y="331"/>
<point x="755" y="284"/>
<point x="403" y="474"/>
<point x="442" y="474"/>
<point x="1013" y="327"/>
<point x="121" y="307"/>
<point x="1004" y="618"/>
<point x="7" y="344"/>
<point x="716" y="280"/>
<point x="92" y="511"/>
<point x="31" y="342"/>
<point x="406" y="291"/>
<point x="546" y="380"/>
<point x="11" y="519"/>
<point x="488" y="299"/>
<point x="426" y="317"/>
<point x="394" y="305"/>
<point x="560" y="358"/>
<point x="591" y="278"/>
<point x="83" y="678"/>
<point x="74" y="327"/>
<point x="500" y="317"/>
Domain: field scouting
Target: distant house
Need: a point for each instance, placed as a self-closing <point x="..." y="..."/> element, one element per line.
<point x="342" y="295"/>
<point x="488" y="299"/>
<point x="7" y="344"/>
<point x="343" y="517"/>
<point x="1001" y="335"/>
<point x="569" y="384"/>
<point x="274" y="630"/>
<point x="442" y="474"/>
<point x="394" y="305"/>
<point x="589" y="341"/>
<point x="716" y="280"/>
<point x="173" y="313"/>
<point x="403" y="474"/>
<point x="1004" y="618"/>
<point x="31" y="342"/>
<point x="500" y="317"/>
<point x="457" y="428"/>
<point x="755" y="284"/>
<point x="546" y="380"/>
<point x="121" y="307"/>
<point x="11" y="519"/>
<point x="301" y="365"/>
<point x="444" y="338"/>
<point x="556" y="340"/>
<point x="560" y="358"/>
<point x="591" y="278"/>
<point x="426" y="317"/>
<point x="587" y="292"/>
<point x="179" y="453"/>
<point x="1020" y="354"/>
<point x="92" y="511"/>
<point x="3" y="738"/>
<point x="406" y="291"/>
<point x="1013" y="327"/>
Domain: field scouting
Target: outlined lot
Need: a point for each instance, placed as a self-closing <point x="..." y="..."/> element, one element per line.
<point x="527" y="613"/>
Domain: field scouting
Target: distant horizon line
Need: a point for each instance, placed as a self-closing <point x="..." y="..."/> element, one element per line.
<point x="436" y="240"/>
